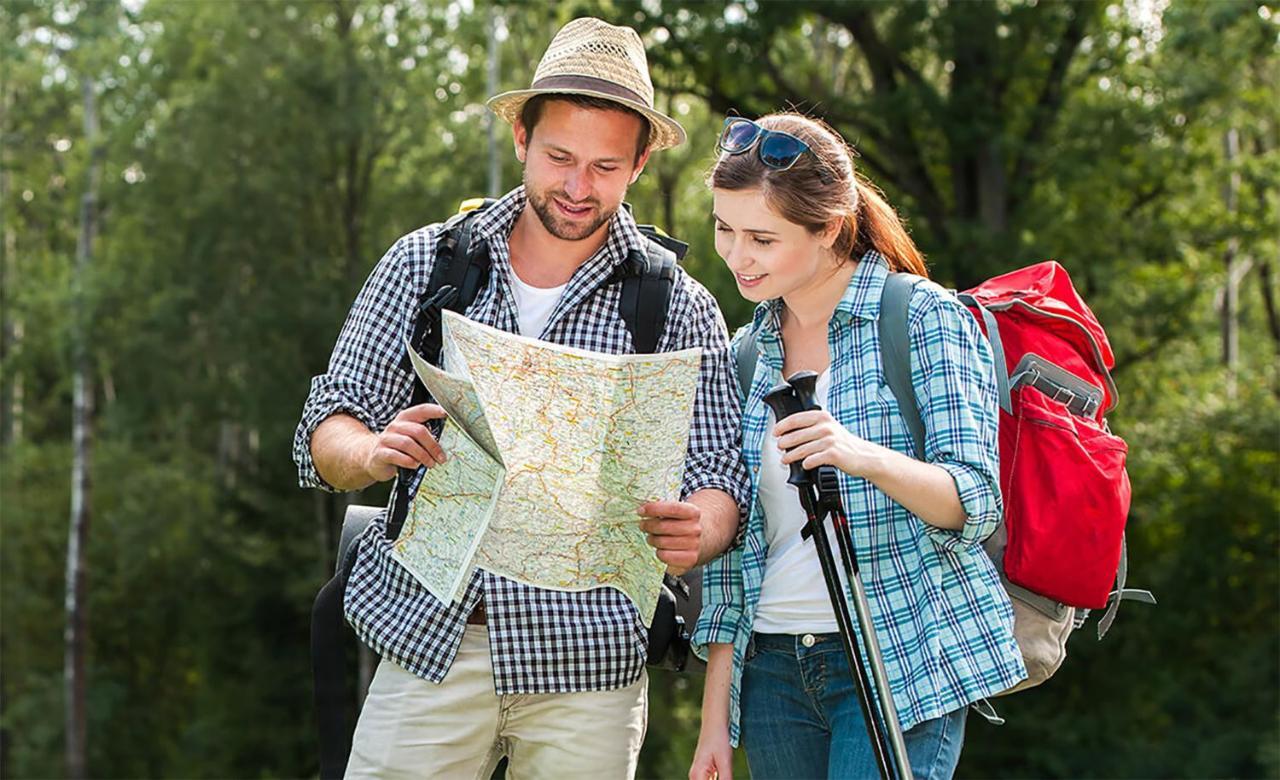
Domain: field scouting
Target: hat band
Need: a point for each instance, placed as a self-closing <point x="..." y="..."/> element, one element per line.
<point x="589" y="83"/>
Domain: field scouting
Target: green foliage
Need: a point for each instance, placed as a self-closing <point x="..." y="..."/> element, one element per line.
<point x="259" y="158"/>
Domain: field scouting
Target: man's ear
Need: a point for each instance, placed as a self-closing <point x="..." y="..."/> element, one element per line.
<point x="640" y="163"/>
<point x="521" y="138"/>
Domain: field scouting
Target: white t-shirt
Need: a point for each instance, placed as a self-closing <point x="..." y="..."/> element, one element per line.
<point x="793" y="597"/>
<point x="534" y="305"/>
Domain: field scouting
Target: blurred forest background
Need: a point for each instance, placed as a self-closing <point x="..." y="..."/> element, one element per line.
<point x="193" y="192"/>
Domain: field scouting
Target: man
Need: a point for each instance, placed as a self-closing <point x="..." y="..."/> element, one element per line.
<point x="553" y="680"/>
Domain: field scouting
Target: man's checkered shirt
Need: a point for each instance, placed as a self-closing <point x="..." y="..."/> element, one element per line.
<point x="541" y="641"/>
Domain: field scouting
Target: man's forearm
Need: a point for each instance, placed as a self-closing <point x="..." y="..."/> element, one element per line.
<point x="719" y="521"/>
<point x="340" y="449"/>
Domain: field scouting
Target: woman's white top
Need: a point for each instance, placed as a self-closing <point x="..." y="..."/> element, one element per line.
<point x="793" y="598"/>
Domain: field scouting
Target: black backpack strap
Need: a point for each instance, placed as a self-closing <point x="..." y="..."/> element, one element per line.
<point x="459" y="273"/>
<point x="648" y="278"/>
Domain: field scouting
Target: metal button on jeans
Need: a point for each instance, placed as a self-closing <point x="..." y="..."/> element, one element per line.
<point x="808" y="640"/>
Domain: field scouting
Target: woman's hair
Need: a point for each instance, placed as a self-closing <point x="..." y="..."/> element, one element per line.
<point x="822" y="187"/>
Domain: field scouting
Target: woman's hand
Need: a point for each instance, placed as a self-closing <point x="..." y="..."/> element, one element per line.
<point x="927" y="491"/>
<point x="816" y="439"/>
<point x="713" y="760"/>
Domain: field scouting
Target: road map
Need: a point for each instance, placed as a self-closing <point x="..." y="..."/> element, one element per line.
<point x="550" y="452"/>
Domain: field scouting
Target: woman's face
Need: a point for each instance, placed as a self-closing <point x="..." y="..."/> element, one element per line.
<point x="769" y="256"/>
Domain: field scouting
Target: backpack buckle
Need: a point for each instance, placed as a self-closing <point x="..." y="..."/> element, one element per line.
<point x="439" y="300"/>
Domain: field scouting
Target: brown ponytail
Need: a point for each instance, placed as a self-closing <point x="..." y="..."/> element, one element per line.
<point x="880" y="228"/>
<point x="821" y="188"/>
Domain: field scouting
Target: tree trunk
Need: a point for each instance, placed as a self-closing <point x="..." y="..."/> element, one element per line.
<point x="1269" y="304"/>
<point x="76" y="630"/>
<point x="4" y="730"/>
<point x="1231" y="290"/>
<point x="491" y="119"/>
<point x="11" y="329"/>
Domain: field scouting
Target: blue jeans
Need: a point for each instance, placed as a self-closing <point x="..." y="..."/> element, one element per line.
<point x="801" y="717"/>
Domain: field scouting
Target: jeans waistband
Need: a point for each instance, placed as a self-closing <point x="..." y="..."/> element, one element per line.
<point x="794" y="642"/>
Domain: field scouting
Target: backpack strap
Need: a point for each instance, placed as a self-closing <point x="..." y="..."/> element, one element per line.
<point x="1121" y="593"/>
<point x="746" y="359"/>
<point x="648" y="278"/>
<point x="997" y="349"/>
<point x="895" y="351"/>
<point x="328" y="669"/>
<point x="987" y="710"/>
<point x="458" y="274"/>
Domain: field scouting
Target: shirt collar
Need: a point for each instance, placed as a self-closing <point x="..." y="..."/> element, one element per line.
<point x="861" y="298"/>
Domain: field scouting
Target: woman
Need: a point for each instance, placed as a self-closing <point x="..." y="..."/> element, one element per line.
<point x="813" y="243"/>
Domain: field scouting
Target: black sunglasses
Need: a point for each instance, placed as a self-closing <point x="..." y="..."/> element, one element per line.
<point x="776" y="149"/>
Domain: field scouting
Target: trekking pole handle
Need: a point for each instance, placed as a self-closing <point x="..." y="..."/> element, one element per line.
<point x="806" y="387"/>
<point x="805" y="384"/>
<point x="784" y="403"/>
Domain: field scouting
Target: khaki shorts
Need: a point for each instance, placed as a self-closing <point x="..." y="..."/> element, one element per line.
<point x="412" y="728"/>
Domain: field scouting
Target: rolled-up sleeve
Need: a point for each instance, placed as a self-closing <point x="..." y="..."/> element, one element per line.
<point x="954" y="381"/>
<point x="714" y="457"/>
<point x="364" y="378"/>
<point x="722" y="602"/>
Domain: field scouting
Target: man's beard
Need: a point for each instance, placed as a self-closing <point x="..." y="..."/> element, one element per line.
<point x="557" y="225"/>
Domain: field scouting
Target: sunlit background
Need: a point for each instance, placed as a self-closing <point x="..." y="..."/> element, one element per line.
<point x="193" y="192"/>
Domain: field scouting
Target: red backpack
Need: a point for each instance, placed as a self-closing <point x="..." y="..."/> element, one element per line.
<point x="1060" y="548"/>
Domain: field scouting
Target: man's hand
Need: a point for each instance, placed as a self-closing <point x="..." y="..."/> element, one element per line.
<point x="406" y="442"/>
<point x="675" y="531"/>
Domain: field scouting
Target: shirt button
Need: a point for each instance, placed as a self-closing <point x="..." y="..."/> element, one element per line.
<point x="808" y="640"/>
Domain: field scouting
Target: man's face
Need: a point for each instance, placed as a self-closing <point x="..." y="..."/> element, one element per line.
<point x="578" y="164"/>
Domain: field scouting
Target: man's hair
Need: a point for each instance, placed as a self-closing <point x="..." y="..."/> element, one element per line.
<point x="531" y="113"/>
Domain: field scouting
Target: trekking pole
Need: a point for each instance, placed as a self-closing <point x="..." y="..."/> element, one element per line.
<point x="827" y="484"/>
<point x="783" y="401"/>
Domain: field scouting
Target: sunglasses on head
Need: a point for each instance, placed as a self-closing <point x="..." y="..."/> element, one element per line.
<point x="776" y="149"/>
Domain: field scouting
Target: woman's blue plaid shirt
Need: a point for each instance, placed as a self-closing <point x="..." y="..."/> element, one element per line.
<point x="943" y="620"/>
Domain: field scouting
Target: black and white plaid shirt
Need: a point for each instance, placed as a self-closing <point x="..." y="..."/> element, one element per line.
<point x="541" y="641"/>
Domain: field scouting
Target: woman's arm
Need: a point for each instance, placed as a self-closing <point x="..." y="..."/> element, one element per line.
<point x="954" y="488"/>
<point x="714" y="755"/>
<point x="927" y="491"/>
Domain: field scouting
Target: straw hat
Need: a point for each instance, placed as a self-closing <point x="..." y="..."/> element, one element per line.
<point x="591" y="57"/>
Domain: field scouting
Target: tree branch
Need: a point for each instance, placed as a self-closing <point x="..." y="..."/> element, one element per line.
<point x="887" y="59"/>
<point x="1050" y="101"/>
<point x="912" y="176"/>
<point x="1143" y="199"/>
